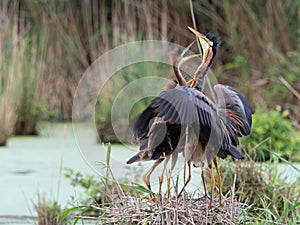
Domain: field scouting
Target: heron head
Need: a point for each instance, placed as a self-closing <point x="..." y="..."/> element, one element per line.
<point x="208" y="41"/>
<point x="209" y="44"/>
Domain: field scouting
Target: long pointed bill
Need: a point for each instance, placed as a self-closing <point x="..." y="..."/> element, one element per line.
<point x="187" y="58"/>
<point x="184" y="59"/>
<point x="206" y="44"/>
<point x="201" y="37"/>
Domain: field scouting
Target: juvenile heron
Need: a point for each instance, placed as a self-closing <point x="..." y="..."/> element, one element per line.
<point x="185" y="119"/>
<point x="149" y="129"/>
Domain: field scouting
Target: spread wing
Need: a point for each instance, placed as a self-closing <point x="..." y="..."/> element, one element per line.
<point x="176" y="107"/>
<point x="184" y="105"/>
<point x="161" y="122"/>
<point x="236" y="107"/>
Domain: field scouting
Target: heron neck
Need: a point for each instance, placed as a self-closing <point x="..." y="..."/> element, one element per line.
<point x="200" y="75"/>
<point x="179" y="77"/>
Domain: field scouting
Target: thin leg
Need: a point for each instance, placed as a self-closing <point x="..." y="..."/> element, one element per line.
<point x="188" y="179"/>
<point x="191" y="142"/>
<point x="161" y="177"/>
<point x="184" y="170"/>
<point x="204" y="185"/>
<point x="146" y="176"/>
<point x="219" y="181"/>
<point x="174" y="160"/>
<point x="168" y="183"/>
<point x="213" y="184"/>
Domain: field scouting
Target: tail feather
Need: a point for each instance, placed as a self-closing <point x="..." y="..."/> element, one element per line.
<point x="235" y="153"/>
<point x="232" y="151"/>
<point x="134" y="158"/>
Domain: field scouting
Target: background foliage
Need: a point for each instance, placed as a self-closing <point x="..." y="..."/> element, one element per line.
<point x="272" y="131"/>
<point x="47" y="45"/>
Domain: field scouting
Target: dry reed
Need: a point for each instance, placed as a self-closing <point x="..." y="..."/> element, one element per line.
<point x="133" y="210"/>
<point x="260" y="43"/>
<point x="11" y="56"/>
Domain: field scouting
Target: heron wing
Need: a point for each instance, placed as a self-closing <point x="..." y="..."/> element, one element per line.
<point x="237" y="108"/>
<point x="158" y="127"/>
<point x="184" y="105"/>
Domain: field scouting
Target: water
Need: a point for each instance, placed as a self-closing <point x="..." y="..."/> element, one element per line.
<point x="31" y="165"/>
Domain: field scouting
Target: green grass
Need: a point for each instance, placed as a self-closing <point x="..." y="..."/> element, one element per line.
<point x="49" y="212"/>
<point x="272" y="198"/>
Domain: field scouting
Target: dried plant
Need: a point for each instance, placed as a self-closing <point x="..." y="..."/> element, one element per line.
<point x="65" y="37"/>
<point x="11" y="56"/>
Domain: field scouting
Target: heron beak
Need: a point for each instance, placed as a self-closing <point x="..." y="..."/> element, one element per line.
<point x="184" y="59"/>
<point x="186" y="49"/>
<point x="187" y="58"/>
<point x="203" y="39"/>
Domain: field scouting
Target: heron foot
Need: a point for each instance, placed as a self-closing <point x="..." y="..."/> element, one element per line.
<point x="203" y="198"/>
<point x="152" y="198"/>
<point x="211" y="206"/>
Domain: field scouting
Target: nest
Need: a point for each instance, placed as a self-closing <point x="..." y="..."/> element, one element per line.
<point x="134" y="210"/>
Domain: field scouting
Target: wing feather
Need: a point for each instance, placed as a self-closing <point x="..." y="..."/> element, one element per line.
<point x="182" y="106"/>
<point x="237" y="108"/>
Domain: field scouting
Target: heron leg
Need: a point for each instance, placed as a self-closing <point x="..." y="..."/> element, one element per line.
<point x="184" y="170"/>
<point x="174" y="160"/>
<point x="168" y="183"/>
<point x="188" y="179"/>
<point x="219" y="182"/>
<point x="161" y="177"/>
<point x="146" y="176"/>
<point x="204" y="185"/>
<point x="213" y="184"/>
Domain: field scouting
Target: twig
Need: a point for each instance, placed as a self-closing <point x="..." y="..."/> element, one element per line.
<point x="288" y="86"/>
<point x="194" y="24"/>
<point x="232" y="199"/>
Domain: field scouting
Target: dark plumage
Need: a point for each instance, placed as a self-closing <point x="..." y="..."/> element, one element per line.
<point x="184" y="119"/>
<point x="216" y="44"/>
<point x="184" y="106"/>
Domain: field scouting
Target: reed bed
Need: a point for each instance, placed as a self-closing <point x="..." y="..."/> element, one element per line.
<point x="122" y="203"/>
<point x="259" y="53"/>
<point x="256" y="193"/>
<point x="11" y="56"/>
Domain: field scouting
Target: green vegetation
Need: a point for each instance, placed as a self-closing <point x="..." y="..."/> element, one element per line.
<point x="271" y="197"/>
<point x="49" y="212"/>
<point x="272" y="130"/>
<point x="99" y="190"/>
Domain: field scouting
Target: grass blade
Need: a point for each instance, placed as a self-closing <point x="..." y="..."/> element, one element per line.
<point x="286" y="161"/>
